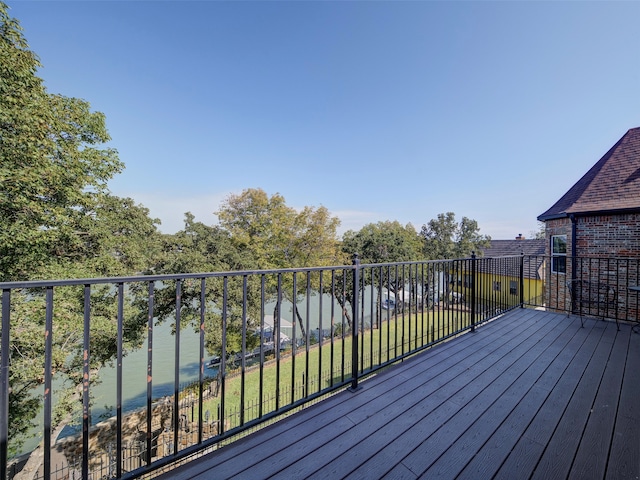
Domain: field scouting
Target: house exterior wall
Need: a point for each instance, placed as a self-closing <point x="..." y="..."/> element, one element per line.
<point x="556" y="291"/>
<point x="487" y="289"/>
<point x="488" y="294"/>
<point x="607" y="251"/>
<point x="608" y="235"/>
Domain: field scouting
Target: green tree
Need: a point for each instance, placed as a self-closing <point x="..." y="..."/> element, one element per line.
<point x="51" y="164"/>
<point x="383" y="242"/>
<point x="58" y="220"/>
<point x="202" y="248"/>
<point x="540" y="233"/>
<point x="278" y="236"/>
<point x="445" y="238"/>
<point x="113" y="236"/>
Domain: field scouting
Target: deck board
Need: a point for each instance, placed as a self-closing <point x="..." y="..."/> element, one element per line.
<point x="591" y="457"/>
<point x="624" y="459"/>
<point x="451" y="463"/>
<point x="458" y="379"/>
<point x="487" y="387"/>
<point x="560" y="450"/>
<point x="532" y="443"/>
<point x="503" y="440"/>
<point x="529" y="395"/>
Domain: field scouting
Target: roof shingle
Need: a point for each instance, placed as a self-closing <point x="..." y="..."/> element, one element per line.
<point x="613" y="183"/>
<point x="533" y="251"/>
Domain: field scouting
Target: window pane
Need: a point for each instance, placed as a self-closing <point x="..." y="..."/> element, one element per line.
<point x="559" y="244"/>
<point x="559" y="264"/>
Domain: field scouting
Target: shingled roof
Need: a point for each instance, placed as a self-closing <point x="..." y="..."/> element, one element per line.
<point x="612" y="184"/>
<point x="533" y="251"/>
<point x="505" y="248"/>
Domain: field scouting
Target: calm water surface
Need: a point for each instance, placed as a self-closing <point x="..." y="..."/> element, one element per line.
<point x="134" y="378"/>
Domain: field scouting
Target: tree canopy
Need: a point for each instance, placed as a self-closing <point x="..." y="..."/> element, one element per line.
<point x="383" y="242"/>
<point x="278" y="236"/>
<point x="445" y="238"/>
<point x="202" y="248"/>
<point x="59" y="220"/>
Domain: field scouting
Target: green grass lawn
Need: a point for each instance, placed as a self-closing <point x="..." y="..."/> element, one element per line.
<point x="318" y="367"/>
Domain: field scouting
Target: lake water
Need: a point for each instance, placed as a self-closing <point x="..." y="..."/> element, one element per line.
<point x="134" y="379"/>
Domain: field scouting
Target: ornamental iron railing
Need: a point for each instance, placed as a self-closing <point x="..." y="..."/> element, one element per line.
<point x="267" y="342"/>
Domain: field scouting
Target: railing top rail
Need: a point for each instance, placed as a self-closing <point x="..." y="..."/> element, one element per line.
<point x="159" y="278"/>
<point x="415" y="262"/>
<point x="200" y="275"/>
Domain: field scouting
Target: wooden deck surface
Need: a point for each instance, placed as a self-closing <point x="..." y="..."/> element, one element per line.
<point x="529" y="395"/>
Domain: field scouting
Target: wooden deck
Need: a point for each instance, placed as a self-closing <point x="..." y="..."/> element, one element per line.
<point x="530" y="395"/>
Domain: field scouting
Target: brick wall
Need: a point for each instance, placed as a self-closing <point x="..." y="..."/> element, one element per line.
<point x="608" y="251"/>
<point x="556" y="283"/>
<point x="608" y="235"/>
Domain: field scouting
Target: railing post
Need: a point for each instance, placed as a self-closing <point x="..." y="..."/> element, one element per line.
<point x="86" y="371"/>
<point x="473" y="291"/>
<point x="48" y="377"/>
<point x="119" y="355"/>
<point x="355" y="367"/>
<point x="522" y="279"/>
<point x="4" y="382"/>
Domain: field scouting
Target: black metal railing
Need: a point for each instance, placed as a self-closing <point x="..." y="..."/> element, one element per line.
<point x="267" y="342"/>
<point x="609" y="295"/>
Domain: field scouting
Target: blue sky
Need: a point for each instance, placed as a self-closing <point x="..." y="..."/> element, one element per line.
<point x="375" y="110"/>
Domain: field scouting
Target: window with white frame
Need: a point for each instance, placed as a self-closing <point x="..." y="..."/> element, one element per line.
<point x="559" y="253"/>
<point x="513" y="287"/>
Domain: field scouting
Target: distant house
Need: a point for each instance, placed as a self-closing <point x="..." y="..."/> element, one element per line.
<point x="269" y="328"/>
<point x="501" y="283"/>
<point x="598" y="218"/>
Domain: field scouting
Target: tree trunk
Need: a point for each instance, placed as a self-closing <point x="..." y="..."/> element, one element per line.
<point x="276" y="323"/>
<point x="345" y="310"/>
<point x="302" y="329"/>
